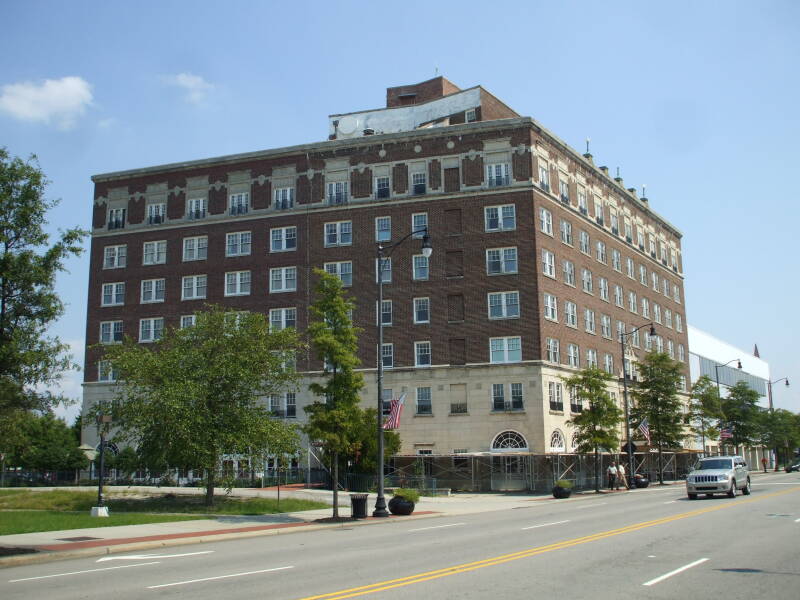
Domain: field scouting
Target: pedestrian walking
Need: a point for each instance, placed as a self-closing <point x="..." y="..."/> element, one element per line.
<point x="612" y="474"/>
<point x="764" y="463"/>
<point x="621" y="478"/>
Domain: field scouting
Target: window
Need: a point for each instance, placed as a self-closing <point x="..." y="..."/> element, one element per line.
<point x="589" y="321"/>
<point x="383" y="269"/>
<point x="387" y="356"/>
<point x="115" y="257"/>
<point x="648" y="342"/>
<point x="418" y="183"/>
<point x="645" y="308"/>
<point x="651" y="243"/>
<point x="618" y="296"/>
<point x="194" y="287"/>
<point x="284" y="198"/>
<point x="582" y="205"/>
<point x="500" y="218"/>
<point x="553" y="350"/>
<point x="153" y="290"/>
<point x="504" y="305"/>
<point x="110" y="332"/>
<point x="505" y="349"/>
<point x="608" y="364"/>
<point x="188" y="321"/>
<point x="548" y="263"/>
<point x="576" y="406"/>
<point x="497" y="175"/>
<point x="603" y="289"/>
<point x="116" y="218"/>
<point x="640" y="237"/>
<point x="635" y="338"/>
<point x="665" y="286"/>
<point x="384" y="314"/>
<point x="654" y="277"/>
<point x="605" y="326"/>
<point x="150" y="330"/>
<point x="237" y="283"/>
<point x="498" y="397"/>
<point x="239" y="204"/>
<point x="422" y="310"/>
<point x="195" y="248"/>
<point x="550" y="307"/>
<point x="591" y="358"/>
<point x="282" y="279"/>
<point x="387" y="401"/>
<point x="424" y="401"/>
<point x="105" y="372"/>
<point x="544" y="175"/>
<point x="419" y="224"/>
<point x="659" y="344"/>
<point x="238" y="244"/>
<point x="630" y="267"/>
<point x="516" y="396"/>
<point x="681" y="353"/>
<point x="290" y="400"/>
<point x="339" y="233"/>
<point x="628" y="230"/>
<point x="570" y="314"/>
<point x="569" y="272"/>
<point x="283" y="239"/>
<point x="583" y="242"/>
<point x="616" y="260"/>
<point x="420" y="267"/>
<point x="156" y="213"/>
<point x="676" y="294"/>
<point x="566" y="232"/>
<point x="382" y="187"/>
<point x="343" y="270"/>
<point x="642" y="274"/>
<point x="600" y="253"/>
<point x="614" y="222"/>
<point x="573" y="355"/>
<point x="586" y="280"/>
<point x="154" y="253"/>
<point x="563" y="191"/>
<point x="668" y="318"/>
<point x="470" y="115"/>
<point x="337" y="192"/>
<point x="633" y="303"/>
<point x="501" y="261"/>
<point x="671" y="349"/>
<point x="197" y="208"/>
<point x="422" y="354"/>
<point x="555" y="394"/>
<point x="656" y="313"/>
<point x="620" y="330"/>
<point x="546" y="221"/>
<point x="113" y="294"/>
<point x="281" y="318"/>
<point x="678" y="323"/>
<point x="383" y="229"/>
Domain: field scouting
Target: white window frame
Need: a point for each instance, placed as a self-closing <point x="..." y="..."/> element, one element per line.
<point x="505" y="345"/>
<point x="343" y="269"/>
<point x="241" y="280"/>
<point x="565" y="227"/>
<point x="503" y="260"/>
<point x="188" y="321"/>
<point x="546" y="221"/>
<point x="114" y="330"/>
<point x="150" y="289"/>
<point x="198" y="285"/>
<point x="427" y="302"/>
<point x="571" y="314"/>
<point x="115" y="257"/>
<point x="508" y="302"/>
<point x="338" y="233"/>
<point x="279" y="318"/>
<point x="279" y="239"/>
<point x="420" y="353"/>
<point x="568" y="269"/>
<point x="283" y="198"/>
<point x="239" y="204"/>
<point x="589" y="321"/>
<point x="195" y="248"/>
<point x="155" y="329"/>
<point x="157" y="250"/>
<point x="548" y="263"/>
<point x="419" y="225"/>
<point x="287" y="276"/>
<point x="420" y="267"/>
<point x="550" y="307"/>
<point x="501" y="217"/>
<point x="383" y="228"/>
<point x="116" y="293"/>
<point x="238" y="243"/>
<point x="383" y="269"/>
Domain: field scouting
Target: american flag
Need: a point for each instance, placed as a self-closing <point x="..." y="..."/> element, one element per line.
<point x="395" y="410"/>
<point x="725" y="433"/>
<point x="644" y="427"/>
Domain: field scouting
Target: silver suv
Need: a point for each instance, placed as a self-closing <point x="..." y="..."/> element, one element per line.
<point x="716" y="475"/>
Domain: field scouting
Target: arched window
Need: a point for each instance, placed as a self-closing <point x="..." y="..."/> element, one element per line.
<point x="574" y="442"/>
<point x="557" y="442"/>
<point x="509" y="441"/>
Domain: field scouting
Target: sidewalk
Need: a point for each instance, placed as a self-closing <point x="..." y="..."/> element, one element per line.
<point x="56" y="545"/>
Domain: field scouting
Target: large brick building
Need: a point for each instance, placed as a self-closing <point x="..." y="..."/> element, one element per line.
<point x="539" y="258"/>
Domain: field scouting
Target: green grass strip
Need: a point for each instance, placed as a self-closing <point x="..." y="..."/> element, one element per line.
<point x="30" y="521"/>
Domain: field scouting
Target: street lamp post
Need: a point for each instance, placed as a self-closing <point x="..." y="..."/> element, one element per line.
<point x="384" y="254"/>
<point x="102" y="424"/>
<point x="771" y="409"/>
<point x="719" y="393"/>
<point x="622" y="341"/>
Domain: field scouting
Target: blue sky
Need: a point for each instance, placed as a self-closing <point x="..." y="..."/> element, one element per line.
<point x="698" y="100"/>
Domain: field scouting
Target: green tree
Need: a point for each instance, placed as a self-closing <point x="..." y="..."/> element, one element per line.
<point x="51" y="445"/>
<point x="281" y="445"/>
<point x="335" y="420"/>
<point x="127" y="462"/>
<point x="597" y="426"/>
<point x="194" y="396"/>
<point x="779" y="429"/>
<point x="29" y="359"/>
<point x="656" y="399"/>
<point x="705" y="409"/>
<point x="741" y="416"/>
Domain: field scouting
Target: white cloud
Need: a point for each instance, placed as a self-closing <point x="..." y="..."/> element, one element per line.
<point x="59" y="101"/>
<point x="196" y="87"/>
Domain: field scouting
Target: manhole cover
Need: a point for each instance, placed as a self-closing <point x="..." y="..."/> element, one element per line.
<point x="78" y="539"/>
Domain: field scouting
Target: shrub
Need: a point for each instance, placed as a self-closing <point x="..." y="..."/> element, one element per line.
<point x="407" y="494"/>
<point x="564" y="483"/>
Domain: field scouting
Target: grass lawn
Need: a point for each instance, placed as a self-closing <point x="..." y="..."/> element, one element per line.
<point x="29" y="521"/>
<point x="68" y="500"/>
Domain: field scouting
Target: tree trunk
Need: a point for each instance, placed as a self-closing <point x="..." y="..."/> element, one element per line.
<point x="335" y="485"/>
<point x="660" y="466"/>
<point x="209" y="487"/>
<point x="596" y="472"/>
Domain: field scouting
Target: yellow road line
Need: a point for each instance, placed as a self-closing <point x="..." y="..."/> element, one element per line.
<point x="504" y="558"/>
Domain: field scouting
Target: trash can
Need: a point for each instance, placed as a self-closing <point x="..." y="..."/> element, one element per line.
<point x="358" y="506"/>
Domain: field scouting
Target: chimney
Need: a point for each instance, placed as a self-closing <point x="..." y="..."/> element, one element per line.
<point x="632" y="191"/>
<point x="604" y="169"/>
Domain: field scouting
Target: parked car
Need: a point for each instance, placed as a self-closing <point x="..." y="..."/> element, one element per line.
<point x="793" y="467"/>
<point x="718" y="475"/>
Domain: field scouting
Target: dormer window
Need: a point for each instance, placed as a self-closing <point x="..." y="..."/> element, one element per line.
<point x="471" y="115"/>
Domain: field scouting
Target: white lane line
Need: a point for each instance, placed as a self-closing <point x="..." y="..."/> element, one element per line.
<point x="82" y="572"/>
<point x="436" y="527"/>
<point x="675" y="572"/>
<point x="545" y="525"/>
<point x="797" y="520"/>
<point x="163" y="585"/>
<point x="670" y="502"/>
<point x="146" y="556"/>
<point x="590" y="505"/>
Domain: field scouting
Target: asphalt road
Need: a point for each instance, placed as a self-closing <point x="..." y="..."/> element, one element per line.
<point x="650" y="543"/>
